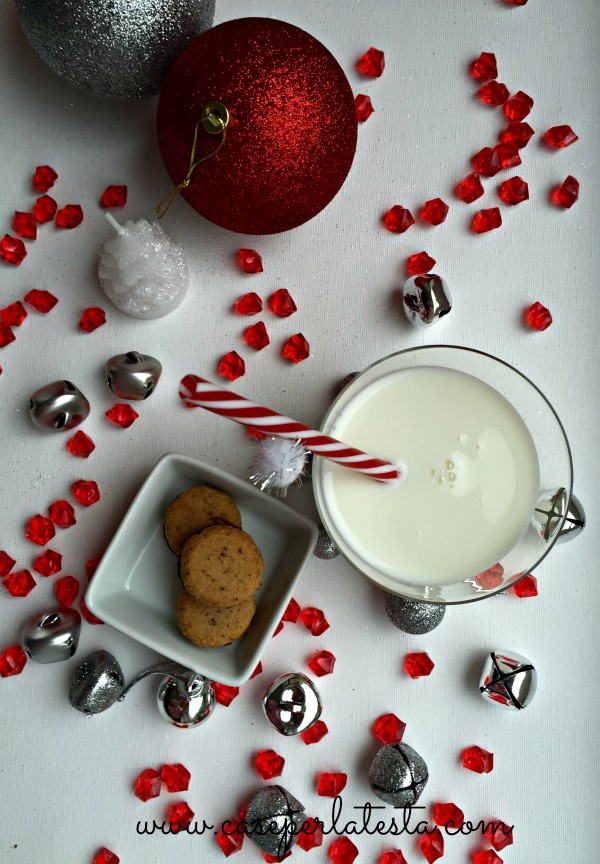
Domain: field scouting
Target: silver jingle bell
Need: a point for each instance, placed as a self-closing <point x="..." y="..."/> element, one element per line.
<point x="549" y="512"/>
<point x="58" y="406"/>
<point x="425" y="299"/>
<point x="274" y="818"/>
<point x="52" y="635"/>
<point x="97" y="683"/>
<point x="398" y="775"/>
<point x="133" y="376"/>
<point x="412" y="616"/>
<point x="187" y="702"/>
<point x="508" y="679"/>
<point x="292" y="703"/>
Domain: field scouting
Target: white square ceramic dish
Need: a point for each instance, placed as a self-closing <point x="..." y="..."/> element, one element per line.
<point x="136" y="584"/>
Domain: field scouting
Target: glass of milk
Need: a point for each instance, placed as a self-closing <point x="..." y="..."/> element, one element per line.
<point x="481" y="445"/>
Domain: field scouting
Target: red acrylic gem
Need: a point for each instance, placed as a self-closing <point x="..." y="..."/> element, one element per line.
<point x="418" y="665"/>
<point x="478" y="760"/>
<point x="269" y="764"/>
<point x="486" y="162"/>
<point x="176" y="777"/>
<point x="342" y="851"/>
<point x="560" y="137"/>
<point x="490" y="578"/>
<point x="256" y="336"/>
<point x="485" y="67"/>
<point x="179" y="816"/>
<point x="147" y="785"/>
<point x="273" y="859"/>
<point x="19" y="583"/>
<point x="431" y="845"/>
<point x="331" y="784"/>
<point x="105" y="856"/>
<point x="538" y="317"/>
<point x="314" y="620"/>
<point x="277" y="630"/>
<point x="499" y="834"/>
<point x="16" y="313"/>
<point x="25" y="225"/>
<point x="86" y="492"/>
<point x="250" y="261"/>
<point x="90" y="567"/>
<point x="48" y="563"/>
<point x="248" y="304"/>
<point x="322" y="663"/>
<point x="371" y="64"/>
<point x="122" y="415"/>
<point x="6" y="563"/>
<point x="42" y="301"/>
<point x="225" y="694"/>
<point x="514" y="191"/>
<point x="364" y="107"/>
<point x="418" y="264"/>
<point x="518" y="106"/>
<point x="291" y="613"/>
<point x="398" y="219"/>
<point x="311" y="834"/>
<point x="89" y="616"/>
<point x="296" y="348"/>
<point x="486" y="220"/>
<point x="231" y="366"/>
<point x="39" y="530"/>
<point x="44" y="178"/>
<point x="525" y="587"/>
<point x="281" y="303"/>
<point x="230" y="841"/>
<point x="69" y="216"/>
<point x="516" y="2"/>
<point x="434" y="211"/>
<point x="12" y="250"/>
<point x="448" y="814"/>
<point x="6" y="335"/>
<point x="66" y="590"/>
<point x="114" y="196"/>
<point x="508" y="154"/>
<point x="62" y="514"/>
<point x="566" y="195"/>
<point x="257" y="671"/>
<point x="80" y="445"/>
<point x="92" y="318"/>
<point x="317" y="731"/>
<point x="469" y="189"/>
<point x="45" y="209"/>
<point x="517" y="134"/>
<point x="494" y="93"/>
<point x="388" y="728"/>
<point x="394" y="856"/>
<point x="12" y="661"/>
<point x="486" y="856"/>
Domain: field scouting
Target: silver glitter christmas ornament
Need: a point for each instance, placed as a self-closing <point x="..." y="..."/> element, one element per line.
<point x="549" y="512"/>
<point x="132" y="376"/>
<point x="274" y="819"/>
<point x="426" y="299"/>
<point x="292" y="703"/>
<point x="58" y="406"/>
<point x="51" y="636"/>
<point x="325" y="548"/>
<point x="411" y="616"/>
<point x="398" y="775"/>
<point x="96" y="684"/>
<point x="508" y="679"/>
<point x="113" y="50"/>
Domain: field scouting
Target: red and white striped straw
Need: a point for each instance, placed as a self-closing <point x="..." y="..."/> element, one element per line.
<point x="197" y="392"/>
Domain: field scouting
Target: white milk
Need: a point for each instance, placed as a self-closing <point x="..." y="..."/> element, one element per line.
<point x="472" y="480"/>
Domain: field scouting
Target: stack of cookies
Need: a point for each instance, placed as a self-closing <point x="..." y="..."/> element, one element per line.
<point x="220" y="566"/>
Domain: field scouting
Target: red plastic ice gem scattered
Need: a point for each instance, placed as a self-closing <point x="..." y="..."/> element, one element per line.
<point x="478" y="760"/>
<point x="342" y="851"/>
<point x="371" y="64"/>
<point x="394" y="856"/>
<point x="230" y="841"/>
<point x="518" y="106"/>
<point x="179" y="816"/>
<point x="490" y="578"/>
<point x="39" y="530"/>
<point x="147" y="785"/>
<point x="44" y="178"/>
<point x="508" y="154"/>
<point x="322" y="663"/>
<point x="80" y="445"/>
<point x="448" y="814"/>
<point x="66" y="589"/>
<point x="15" y="314"/>
<point x="105" y="856"/>
<point x="517" y="134"/>
<point x="90" y="567"/>
<point x="526" y="587"/>
<point x="291" y="612"/>
<point x="19" y="583"/>
<point x="6" y="335"/>
<point x="499" y="834"/>
<point x="398" y="219"/>
<point x="89" y="616"/>
<point x="486" y="162"/>
<point x="388" y="728"/>
<point x="494" y="93"/>
<point x="485" y="67"/>
<point x="269" y="764"/>
<point x="48" y="563"/>
<point x="311" y="834"/>
<point x="434" y="211"/>
<point x="364" y="107"/>
<point x="41" y="301"/>
<point x="296" y="348"/>
<point x="25" y="225"/>
<point x="69" y="216"/>
<point x="277" y="630"/>
<point x="486" y="220"/>
<point x="486" y="856"/>
<point x="86" y="492"/>
<point x="114" y="196"/>
<point x="231" y="366"/>
<point x="225" y="694"/>
<point x="248" y="304"/>
<point x="6" y="563"/>
<point x="566" y="195"/>
<point x="432" y="845"/>
<point x="418" y="665"/>
<point x="250" y="261"/>
<point x="514" y="191"/>
<point x="12" y="661"/>
<point x="92" y="318"/>
<point x="122" y="415"/>
<point x="62" y="514"/>
<point x="45" y="209"/>
<point x="560" y="137"/>
<point x="257" y="671"/>
<point x="256" y="336"/>
<point x="12" y="250"/>
<point x="469" y="189"/>
<point x="418" y="264"/>
<point x="176" y="777"/>
<point x="538" y="317"/>
<point x="281" y="303"/>
<point x="317" y="731"/>
<point x="274" y="859"/>
<point x="314" y="620"/>
<point x="330" y="784"/>
<point x="515" y="2"/>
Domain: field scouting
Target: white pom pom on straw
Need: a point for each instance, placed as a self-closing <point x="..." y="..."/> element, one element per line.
<point x="278" y="462"/>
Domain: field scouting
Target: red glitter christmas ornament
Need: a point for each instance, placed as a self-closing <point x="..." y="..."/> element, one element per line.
<point x="295" y="130"/>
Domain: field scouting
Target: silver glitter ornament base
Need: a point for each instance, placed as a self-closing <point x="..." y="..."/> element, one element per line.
<point x="398" y="775"/>
<point x="411" y="616"/>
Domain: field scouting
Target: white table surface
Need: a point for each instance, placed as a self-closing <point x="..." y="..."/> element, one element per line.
<point x="65" y="781"/>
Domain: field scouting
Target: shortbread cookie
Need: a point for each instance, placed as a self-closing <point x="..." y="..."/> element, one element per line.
<point x="193" y="510"/>
<point x="209" y="626"/>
